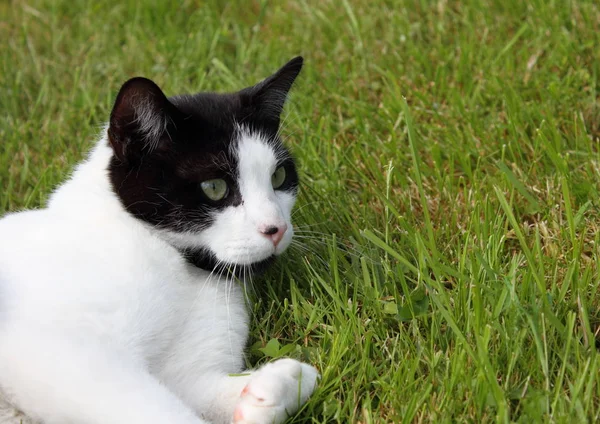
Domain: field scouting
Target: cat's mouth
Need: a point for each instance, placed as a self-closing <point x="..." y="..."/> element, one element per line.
<point x="206" y="260"/>
<point x="242" y="271"/>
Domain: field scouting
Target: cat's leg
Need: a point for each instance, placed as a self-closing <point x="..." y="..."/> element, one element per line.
<point x="268" y="395"/>
<point x="58" y="379"/>
<point x="274" y="392"/>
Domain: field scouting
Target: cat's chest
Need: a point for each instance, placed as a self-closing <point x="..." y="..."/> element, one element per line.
<point x="164" y="307"/>
<point x="127" y="287"/>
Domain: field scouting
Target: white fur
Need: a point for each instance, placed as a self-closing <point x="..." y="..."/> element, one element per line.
<point x="102" y="321"/>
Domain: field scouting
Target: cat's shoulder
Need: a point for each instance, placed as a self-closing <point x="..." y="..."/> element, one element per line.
<point x="20" y="221"/>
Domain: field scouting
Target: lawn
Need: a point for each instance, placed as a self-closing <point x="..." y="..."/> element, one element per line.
<point x="446" y="263"/>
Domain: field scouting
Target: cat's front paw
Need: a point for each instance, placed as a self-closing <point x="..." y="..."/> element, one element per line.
<point x="275" y="392"/>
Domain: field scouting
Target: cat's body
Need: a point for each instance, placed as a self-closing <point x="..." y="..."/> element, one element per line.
<point x="113" y="304"/>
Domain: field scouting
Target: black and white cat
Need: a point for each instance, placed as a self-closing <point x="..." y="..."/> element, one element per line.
<point x="113" y="306"/>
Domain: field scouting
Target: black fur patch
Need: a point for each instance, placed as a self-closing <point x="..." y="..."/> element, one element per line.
<point x="165" y="147"/>
<point x="206" y="260"/>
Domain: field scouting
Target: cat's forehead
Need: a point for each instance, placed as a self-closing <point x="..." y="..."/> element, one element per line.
<point x="220" y="119"/>
<point x="257" y="148"/>
<point x="220" y="134"/>
<point x="210" y="117"/>
<point x="242" y="148"/>
<point x="218" y="108"/>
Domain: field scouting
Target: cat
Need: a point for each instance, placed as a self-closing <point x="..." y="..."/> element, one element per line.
<point x="120" y="301"/>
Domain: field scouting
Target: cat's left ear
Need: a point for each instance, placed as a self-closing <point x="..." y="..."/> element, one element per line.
<point x="266" y="99"/>
<point x="140" y="119"/>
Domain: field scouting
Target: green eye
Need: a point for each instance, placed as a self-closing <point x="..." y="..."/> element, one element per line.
<point x="278" y="177"/>
<point x="215" y="189"/>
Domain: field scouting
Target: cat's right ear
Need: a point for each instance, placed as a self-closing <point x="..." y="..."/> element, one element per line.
<point x="139" y="119"/>
<point x="265" y="100"/>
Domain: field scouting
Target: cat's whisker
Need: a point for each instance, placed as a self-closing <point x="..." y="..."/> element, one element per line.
<point x="284" y="125"/>
<point x="297" y="245"/>
<point x="313" y="225"/>
<point x="198" y="295"/>
<point x="302" y="230"/>
<point x="230" y="289"/>
<point x="323" y="239"/>
<point x="168" y="201"/>
<point x="313" y="239"/>
<point x="143" y="202"/>
<point x="305" y="205"/>
<point x="346" y="250"/>
<point x="309" y="231"/>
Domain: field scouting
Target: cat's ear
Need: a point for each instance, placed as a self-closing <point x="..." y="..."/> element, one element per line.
<point x="139" y="119"/>
<point x="266" y="99"/>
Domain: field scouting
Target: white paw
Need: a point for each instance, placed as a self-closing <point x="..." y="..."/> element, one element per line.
<point x="275" y="392"/>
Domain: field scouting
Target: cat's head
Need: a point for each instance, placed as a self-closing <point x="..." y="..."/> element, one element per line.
<point x="207" y="171"/>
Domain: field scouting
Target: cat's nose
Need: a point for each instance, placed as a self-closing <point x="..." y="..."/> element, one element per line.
<point x="273" y="232"/>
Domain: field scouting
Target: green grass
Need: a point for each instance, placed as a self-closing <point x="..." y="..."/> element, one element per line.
<point x="450" y="160"/>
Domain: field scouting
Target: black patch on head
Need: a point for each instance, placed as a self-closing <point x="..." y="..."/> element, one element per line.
<point x="165" y="147"/>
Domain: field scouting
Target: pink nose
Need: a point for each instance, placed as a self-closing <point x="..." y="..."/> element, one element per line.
<point x="274" y="233"/>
